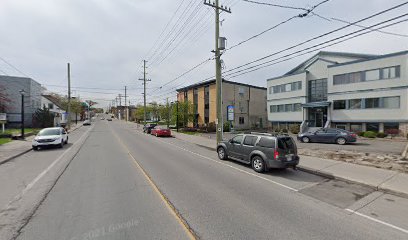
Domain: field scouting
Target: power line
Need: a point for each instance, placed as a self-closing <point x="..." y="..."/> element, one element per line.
<point x="275" y="5"/>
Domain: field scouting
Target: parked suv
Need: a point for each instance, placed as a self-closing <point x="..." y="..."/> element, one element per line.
<point x="262" y="150"/>
<point x="148" y="127"/>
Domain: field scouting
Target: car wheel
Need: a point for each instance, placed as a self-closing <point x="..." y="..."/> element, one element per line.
<point x="305" y="139"/>
<point x="341" y="141"/>
<point x="258" y="164"/>
<point x="221" y="153"/>
<point x="157" y="135"/>
<point x="35" y="148"/>
<point x="61" y="145"/>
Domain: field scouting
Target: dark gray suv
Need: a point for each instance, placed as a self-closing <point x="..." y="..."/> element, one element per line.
<point x="262" y="150"/>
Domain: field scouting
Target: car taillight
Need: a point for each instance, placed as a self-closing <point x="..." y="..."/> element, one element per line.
<point x="275" y="154"/>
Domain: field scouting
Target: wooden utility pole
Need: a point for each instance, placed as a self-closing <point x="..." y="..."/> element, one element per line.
<point x="144" y="91"/>
<point x="69" y="98"/>
<point x="218" y="79"/>
<point x="126" y="108"/>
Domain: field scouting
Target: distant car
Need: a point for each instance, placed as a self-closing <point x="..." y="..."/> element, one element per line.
<point x="161" y="131"/>
<point x="109" y="119"/>
<point x="86" y="122"/>
<point x="103" y="118"/>
<point x="148" y="127"/>
<point x="261" y="150"/>
<point x="50" y="136"/>
<point x="328" y="135"/>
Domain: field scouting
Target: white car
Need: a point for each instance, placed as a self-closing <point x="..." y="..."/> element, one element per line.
<point x="56" y="136"/>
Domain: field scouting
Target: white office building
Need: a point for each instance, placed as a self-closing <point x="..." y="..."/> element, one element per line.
<point x="356" y="92"/>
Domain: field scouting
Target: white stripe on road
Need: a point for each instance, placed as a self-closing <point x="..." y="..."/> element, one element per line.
<point x="35" y="180"/>
<point x="227" y="165"/>
<point x="378" y="221"/>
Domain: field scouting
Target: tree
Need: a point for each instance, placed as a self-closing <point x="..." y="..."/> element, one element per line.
<point x="4" y="99"/>
<point x="185" y="113"/>
<point x="43" y="118"/>
<point x="76" y="107"/>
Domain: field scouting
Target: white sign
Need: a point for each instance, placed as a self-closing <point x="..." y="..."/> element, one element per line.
<point x="3" y="117"/>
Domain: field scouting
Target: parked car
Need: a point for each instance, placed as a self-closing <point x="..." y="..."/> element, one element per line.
<point x="161" y="131"/>
<point x="102" y="118"/>
<point x="262" y="150"/>
<point x="56" y="136"/>
<point x="148" y="127"/>
<point x="86" y="122"/>
<point x="328" y="135"/>
<point x="109" y="119"/>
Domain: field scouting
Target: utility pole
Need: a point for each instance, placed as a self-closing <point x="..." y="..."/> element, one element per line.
<point x="144" y="91"/>
<point x="69" y="97"/>
<point x="168" y="112"/>
<point x="126" y="108"/>
<point x="218" y="79"/>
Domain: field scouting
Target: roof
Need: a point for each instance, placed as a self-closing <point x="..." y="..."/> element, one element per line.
<point x="320" y="55"/>
<point x="53" y="99"/>
<point x="209" y="82"/>
<point x="373" y="58"/>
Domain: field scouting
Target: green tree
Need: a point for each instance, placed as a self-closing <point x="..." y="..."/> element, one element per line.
<point x="185" y="113"/>
<point x="43" y="118"/>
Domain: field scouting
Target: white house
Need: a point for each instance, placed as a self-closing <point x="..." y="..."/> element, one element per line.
<point x="54" y="106"/>
<point x="356" y="92"/>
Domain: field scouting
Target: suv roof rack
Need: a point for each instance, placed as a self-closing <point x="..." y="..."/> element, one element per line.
<point x="270" y="134"/>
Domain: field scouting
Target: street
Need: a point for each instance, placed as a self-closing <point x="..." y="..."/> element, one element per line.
<point x="123" y="184"/>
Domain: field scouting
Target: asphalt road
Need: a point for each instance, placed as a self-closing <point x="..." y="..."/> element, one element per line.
<point x="124" y="184"/>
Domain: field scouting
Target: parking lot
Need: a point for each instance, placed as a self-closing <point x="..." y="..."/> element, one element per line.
<point x="363" y="145"/>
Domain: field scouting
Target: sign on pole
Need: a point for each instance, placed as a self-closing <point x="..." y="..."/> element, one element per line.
<point x="3" y="120"/>
<point x="230" y="112"/>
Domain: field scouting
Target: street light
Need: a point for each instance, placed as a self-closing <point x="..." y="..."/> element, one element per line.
<point x="22" y="92"/>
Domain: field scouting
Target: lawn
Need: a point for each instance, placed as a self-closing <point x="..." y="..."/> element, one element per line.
<point x="18" y="130"/>
<point x="190" y="133"/>
<point x="4" y="140"/>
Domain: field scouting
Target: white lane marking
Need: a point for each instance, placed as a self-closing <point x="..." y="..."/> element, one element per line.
<point x="222" y="163"/>
<point x="35" y="180"/>
<point x="378" y="221"/>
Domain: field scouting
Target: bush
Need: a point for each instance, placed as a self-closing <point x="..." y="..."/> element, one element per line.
<point x="361" y="134"/>
<point x="226" y="126"/>
<point x="284" y="130"/>
<point x="189" y="129"/>
<point x="295" y="129"/>
<point x="370" y="134"/>
<point x="276" y="129"/>
<point x="381" y="135"/>
<point x="211" y="127"/>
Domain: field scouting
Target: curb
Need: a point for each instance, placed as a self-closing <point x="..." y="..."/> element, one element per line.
<point x="25" y="151"/>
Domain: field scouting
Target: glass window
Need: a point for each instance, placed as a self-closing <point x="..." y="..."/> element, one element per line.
<point x="354" y="103"/>
<point x="339" y="79"/>
<point x="237" y="139"/>
<point x="391" y="72"/>
<point x="250" y="140"/>
<point x="372" y="75"/>
<point x="391" y="127"/>
<point x="391" y="102"/>
<point x="318" y="90"/>
<point x="297" y="107"/>
<point x="50" y="105"/>
<point x="340" y="126"/>
<point x="373" y="127"/>
<point x="270" y="90"/>
<point x="356" y="127"/>
<point x="355" y="77"/>
<point x="276" y="89"/>
<point x="266" y="142"/>
<point x="339" y="104"/>
<point x="241" y="120"/>
<point x="372" y="102"/>
<point x="288" y="87"/>
<point x="288" y="107"/>
<point x="282" y="88"/>
<point x="281" y="108"/>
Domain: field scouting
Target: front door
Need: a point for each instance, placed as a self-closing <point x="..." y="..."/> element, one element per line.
<point x="317" y="117"/>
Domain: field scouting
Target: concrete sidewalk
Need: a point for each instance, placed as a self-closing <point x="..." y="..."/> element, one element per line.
<point x="379" y="179"/>
<point x="16" y="148"/>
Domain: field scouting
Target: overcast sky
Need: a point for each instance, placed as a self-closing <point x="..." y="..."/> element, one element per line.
<point x="106" y="40"/>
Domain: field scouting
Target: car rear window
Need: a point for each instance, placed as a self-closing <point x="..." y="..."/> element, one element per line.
<point x="266" y="142"/>
<point x="250" y="140"/>
<point x="286" y="143"/>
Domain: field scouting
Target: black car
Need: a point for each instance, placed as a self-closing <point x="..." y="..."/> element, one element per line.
<point x="262" y="150"/>
<point x="328" y="135"/>
<point x="148" y="127"/>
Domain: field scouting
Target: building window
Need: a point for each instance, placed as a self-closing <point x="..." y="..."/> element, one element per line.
<point x="355" y="103"/>
<point x="286" y="87"/>
<point x="372" y="103"/>
<point x="288" y="107"/>
<point x="391" y="127"/>
<point x="241" y="120"/>
<point x="390" y="72"/>
<point x="273" y="108"/>
<point x="372" y="75"/>
<point x="50" y="106"/>
<point x="281" y="108"/>
<point x="356" y="127"/>
<point x="339" y="104"/>
<point x="241" y="90"/>
<point x="373" y="127"/>
<point x="318" y="90"/>
<point x="297" y="107"/>
<point x="340" y="126"/>
<point x="391" y="102"/>
<point x="270" y="90"/>
<point x="296" y="86"/>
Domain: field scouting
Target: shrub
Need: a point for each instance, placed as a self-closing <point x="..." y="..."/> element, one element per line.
<point x="189" y="129"/>
<point x="226" y="126"/>
<point x="276" y="129"/>
<point x="361" y="134"/>
<point x="211" y="127"/>
<point x="284" y="130"/>
<point x="295" y="129"/>
<point x="381" y="135"/>
<point x="370" y="134"/>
